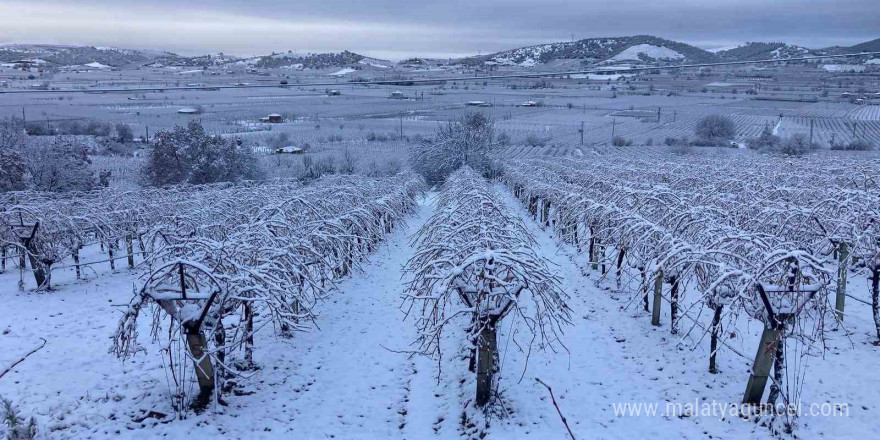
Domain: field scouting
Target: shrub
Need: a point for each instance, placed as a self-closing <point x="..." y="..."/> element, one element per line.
<point x="855" y="145"/>
<point x="61" y="164"/>
<point x="12" y="161"/>
<point x="767" y="141"/>
<point x="620" y="141"/>
<point x="533" y="140"/>
<point x="681" y="149"/>
<point x="348" y="162"/>
<point x="714" y="130"/>
<point x="16" y="427"/>
<point x="124" y="133"/>
<point x="189" y="155"/>
<point x="674" y="141"/>
<point x="314" y="169"/>
<point x="797" y="145"/>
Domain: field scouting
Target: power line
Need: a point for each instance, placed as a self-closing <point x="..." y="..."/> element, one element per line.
<point x="438" y="80"/>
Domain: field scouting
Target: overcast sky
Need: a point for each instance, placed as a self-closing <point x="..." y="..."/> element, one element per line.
<point x="397" y="29"/>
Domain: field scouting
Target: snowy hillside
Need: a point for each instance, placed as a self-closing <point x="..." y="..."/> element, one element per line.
<point x="644" y="52"/>
<point x="79" y="55"/>
<point x="316" y="60"/>
<point x="646" y="48"/>
<point x="600" y="49"/>
<point x="763" y="51"/>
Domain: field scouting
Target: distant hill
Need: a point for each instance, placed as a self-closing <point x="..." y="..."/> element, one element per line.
<point x="316" y="60"/>
<point x="55" y="55"/>
<point x="868" y="46"/>
<point x="763" y="51"/>
<point x="649" y="49"/>
<point x="643" y="48"/>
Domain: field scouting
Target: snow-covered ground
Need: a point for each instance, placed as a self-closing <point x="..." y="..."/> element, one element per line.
<point x="342" y="72"/>
<point x="352" y="377"/>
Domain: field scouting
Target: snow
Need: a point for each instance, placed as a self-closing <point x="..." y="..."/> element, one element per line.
<point x="97" y="65"/>
<point x="344" y="71"/>
<point x="352" y="377"/>
<point x="381" y="64"/>
<point x="844" y="67"/>
<point x="656" y="52"/>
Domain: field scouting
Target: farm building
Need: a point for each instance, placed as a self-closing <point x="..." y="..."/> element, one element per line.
<point x="273" y="118"/>
<point x="397" y="94"/>
<point x="289" y="150"/>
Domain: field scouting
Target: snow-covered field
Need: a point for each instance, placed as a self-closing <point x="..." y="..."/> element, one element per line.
<point x="353" y="370"/>
<point x="353" y="375"/>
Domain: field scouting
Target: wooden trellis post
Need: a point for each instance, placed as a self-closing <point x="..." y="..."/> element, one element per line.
<point x="490" y="306"/>
<point x="486" y="347"/>
<point x="129" y="247"/>
<point x="75" y="255"/>
<point x="198" y="349"/>
<point x="593" y="263"/>
<point x="110" y="245"/>
<point x="546" y="213"/>
<point x="658" y="297"/>
<point x="193" y="334"/>
<point x="673" y="305"/>
<point x="761" y="366"/>
<point x="771" y="349"/>
<point x="620" y="256"/>
<point x="875" y="298"/>
<point x="843" y="258"/>
<point x="26" y="234"/>
<point x="717" y="307"/>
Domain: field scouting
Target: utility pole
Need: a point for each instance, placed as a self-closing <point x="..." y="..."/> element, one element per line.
<point x="613" y="123"/>
<point x="23" y="117"/>
<point x="582" y="133"/>
<point x="658" y="115"/>
<point x="147" y="129"/>
<point x="674" y="114"/>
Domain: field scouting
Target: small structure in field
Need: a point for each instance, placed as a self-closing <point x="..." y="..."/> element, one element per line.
<point x="289" y="150"/>
<point x="188" y="111"/>
<point x="478" y="104"/>
<point x="529" y="104"/>
<point x="333" y="92"/>
<point x="273" y="118"/>
<point x="397" y="94"/>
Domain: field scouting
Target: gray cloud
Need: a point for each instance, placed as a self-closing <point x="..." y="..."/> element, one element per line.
<point x="399" y="28"/>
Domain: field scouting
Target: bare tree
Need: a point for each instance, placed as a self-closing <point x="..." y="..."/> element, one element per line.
<point x="468" y="141"/>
